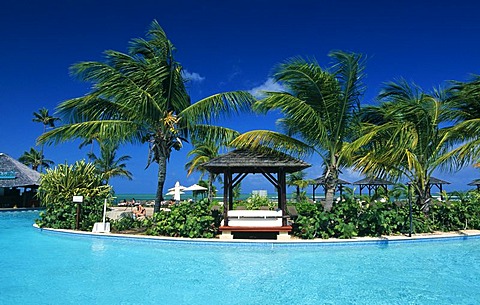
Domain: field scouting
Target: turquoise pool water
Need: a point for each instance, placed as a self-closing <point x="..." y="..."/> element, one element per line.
<point x="48" y="268"/>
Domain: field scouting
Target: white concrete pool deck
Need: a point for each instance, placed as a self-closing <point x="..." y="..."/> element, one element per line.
<point x="295" y="240"/>
<point x="116" y="211"/>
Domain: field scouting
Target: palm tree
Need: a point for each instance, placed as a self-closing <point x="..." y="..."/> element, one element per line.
<point x="203" y="152"/>
<point x="298" y="180"/>
<point x="34" y="159"/>
<point x="42" y="116"/>
<point x="140" y="97"/>
<point x="107" y="164"/>
<point x="466" y="114"/>
<point x="319" y="108"/>
<point x="407" y="135"/>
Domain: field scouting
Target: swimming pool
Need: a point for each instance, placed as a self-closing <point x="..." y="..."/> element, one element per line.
<point x="45" y="268"/>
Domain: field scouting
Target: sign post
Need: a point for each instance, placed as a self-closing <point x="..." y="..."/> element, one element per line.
<point x="78" y="200"/>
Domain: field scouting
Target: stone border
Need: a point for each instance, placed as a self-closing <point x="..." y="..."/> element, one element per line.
<point x="384" y="240"/>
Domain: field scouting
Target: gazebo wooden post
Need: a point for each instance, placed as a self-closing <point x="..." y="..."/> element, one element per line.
<point x="314" y="187"/>
<point x="282" y="194"/>
<point x="226" y="187"/>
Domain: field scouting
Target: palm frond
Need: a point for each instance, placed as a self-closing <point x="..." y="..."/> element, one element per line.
<point x="218" y="106"/>
<point x="118" y="130"/>
<point x="259" y="139"/>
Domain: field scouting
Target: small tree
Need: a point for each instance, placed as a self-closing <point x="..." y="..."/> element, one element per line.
<point x="56" y="191"/>
<point x="34" y="159"/>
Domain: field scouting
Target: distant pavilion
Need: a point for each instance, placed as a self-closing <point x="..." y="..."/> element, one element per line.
<point x="374" y="184"/>
<point x="320" y="181"/>
<point x="476" y="183"/>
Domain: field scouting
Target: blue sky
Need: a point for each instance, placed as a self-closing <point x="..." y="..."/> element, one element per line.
<point x="224" y="45"/>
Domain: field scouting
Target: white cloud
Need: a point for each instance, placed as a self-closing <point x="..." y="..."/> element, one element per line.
<point x="192" y="76"/>
<point x="268" y="85"/>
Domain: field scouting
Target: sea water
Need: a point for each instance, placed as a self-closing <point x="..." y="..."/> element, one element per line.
<point x="38" y="267"/>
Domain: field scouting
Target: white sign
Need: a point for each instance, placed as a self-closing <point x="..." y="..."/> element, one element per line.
<point x="77" y="198"/>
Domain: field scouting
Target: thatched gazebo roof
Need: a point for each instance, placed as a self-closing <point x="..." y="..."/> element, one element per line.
<point x="16" y="174"/>
<point x="248" y="161"/>
<point x="476" y="183"/>
<point x="321" y="180"/>
<point x="434" y="180"/>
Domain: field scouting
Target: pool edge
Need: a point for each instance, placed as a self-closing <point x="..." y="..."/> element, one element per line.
<point x="384" y="240"/>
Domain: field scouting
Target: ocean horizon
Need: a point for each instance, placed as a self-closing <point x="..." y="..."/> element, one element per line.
<point x="142" y="197"/>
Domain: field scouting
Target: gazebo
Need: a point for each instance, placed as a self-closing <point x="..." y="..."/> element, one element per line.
<point x="476" y="183"/>
<point x="435" y="182"/>
<point x="14" y="174"/>
<point x="372" y="184"/>
<point x="320" y="181"/>
<point x="438" y="183"/>
<point x="237" y="164"/>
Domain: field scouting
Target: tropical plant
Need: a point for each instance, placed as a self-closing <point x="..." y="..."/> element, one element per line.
<point x="107" y="164"/>
<point x="407" y="135"/>
<point x="319" y="108"/>
<point x="184" y="220"/>
<point x="42" y="116"/>
<point x="56" y="191"/>
<point x="140" y="97"/>
<point x="203" y="152"/>
<point x="256" y="201"/>
<point x="466" y="114"/>
<point x="35" y="159"/>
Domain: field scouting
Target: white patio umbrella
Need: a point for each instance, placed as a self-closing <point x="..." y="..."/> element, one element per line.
<point x="176" y="191"/>
<point x="196" y="188"/>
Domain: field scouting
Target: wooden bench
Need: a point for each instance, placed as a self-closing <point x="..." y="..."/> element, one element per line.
<point x="255" y="221"/>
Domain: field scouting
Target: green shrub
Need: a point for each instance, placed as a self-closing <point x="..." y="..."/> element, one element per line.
<point x="256" y="201"/>
<point x="127" y="223"/>
<point x="56" y="191"/>
<point x="185" y="219"/>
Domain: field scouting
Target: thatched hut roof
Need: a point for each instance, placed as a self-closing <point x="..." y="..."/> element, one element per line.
<point x="16" y="174"/>
<point x="434" y="180"/>
<point x="373" y="181"/>
<point x="474" y="182"/>
<point x="321" y="180"/>
<point x="248" y="161"/>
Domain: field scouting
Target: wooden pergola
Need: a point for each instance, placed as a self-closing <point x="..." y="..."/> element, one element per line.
<point x="320" y="181"/>
<point x="372" y="184"/>
<point x="237" y="164"/>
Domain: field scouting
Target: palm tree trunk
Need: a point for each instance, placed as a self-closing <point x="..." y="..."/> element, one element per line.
<point x="162" y="173"/>
<point x="423" y="196"/>
<point x="331" y="181"/>
<point x="210" y="187"/>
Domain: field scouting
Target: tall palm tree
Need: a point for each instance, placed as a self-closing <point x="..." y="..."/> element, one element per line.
<point x="140" y="97"/>
<point x="35" y="159"/>
<point x="407" y="135"/>
<point x="466" y="114"/>
<point x="203" y="152"/>
<point x="107" y="164"/>
<point x="319" y="107"/>
<point x="42" y="116"/>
